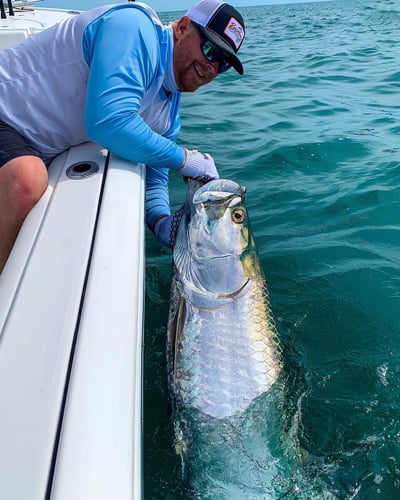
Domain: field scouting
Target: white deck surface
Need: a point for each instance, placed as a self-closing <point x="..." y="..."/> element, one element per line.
<point x="71" y="326"/>
<point x="100" y="454"/>
<point x="28" y="20"/>
<point x="71" y="322"/>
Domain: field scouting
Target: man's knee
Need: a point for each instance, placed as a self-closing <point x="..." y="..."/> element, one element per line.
<point x="23" y="181"/>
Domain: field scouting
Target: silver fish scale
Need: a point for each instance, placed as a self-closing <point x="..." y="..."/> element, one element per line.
<point x="229" y="354"/>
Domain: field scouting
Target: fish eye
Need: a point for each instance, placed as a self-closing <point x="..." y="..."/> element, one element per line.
<point x="238" y="215"/>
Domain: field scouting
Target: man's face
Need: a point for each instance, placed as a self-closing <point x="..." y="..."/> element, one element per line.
<point x="191" y="68"/>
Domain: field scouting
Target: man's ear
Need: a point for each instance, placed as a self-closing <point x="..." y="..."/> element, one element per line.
<point x="182" y="27"/>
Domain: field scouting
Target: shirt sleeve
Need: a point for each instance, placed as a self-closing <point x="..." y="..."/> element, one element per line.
<point x="121" y="48"/>
<point x="157" y="196"/>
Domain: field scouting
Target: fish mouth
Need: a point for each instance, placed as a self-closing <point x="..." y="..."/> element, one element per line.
<point x="218" y="190"/>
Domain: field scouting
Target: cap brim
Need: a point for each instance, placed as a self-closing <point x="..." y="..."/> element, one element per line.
<point x="220" y="42"/>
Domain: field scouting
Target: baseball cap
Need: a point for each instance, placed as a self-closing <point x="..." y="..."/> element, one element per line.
<point x="222" y="25"/>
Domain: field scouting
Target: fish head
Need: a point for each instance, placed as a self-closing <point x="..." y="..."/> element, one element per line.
<point x="215" y="243"/>
<point x="219" y="224"/>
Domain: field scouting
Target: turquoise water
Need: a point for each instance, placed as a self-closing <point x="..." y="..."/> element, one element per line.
<point x="312" y="129"/>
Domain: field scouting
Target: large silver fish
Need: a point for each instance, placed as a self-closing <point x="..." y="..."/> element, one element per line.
<point x="235" y="435"/>
<point x="223" y="349"/>
<point x="224" y="339"/>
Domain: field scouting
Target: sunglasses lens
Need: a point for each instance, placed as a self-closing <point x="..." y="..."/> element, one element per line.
<point x="214" y="54"/>
<point x="211" y="52"/>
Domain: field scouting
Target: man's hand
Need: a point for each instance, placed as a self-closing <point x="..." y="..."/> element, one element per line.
<point x="199" y="166"/>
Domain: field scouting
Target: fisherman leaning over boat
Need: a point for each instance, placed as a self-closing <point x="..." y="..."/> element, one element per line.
<point x="113" y="75"/>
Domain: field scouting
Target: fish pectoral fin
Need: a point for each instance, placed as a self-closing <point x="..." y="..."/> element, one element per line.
<point x="176" y="330"/>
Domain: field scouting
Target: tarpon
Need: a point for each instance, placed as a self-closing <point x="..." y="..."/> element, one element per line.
<point x="223" y="347"/>
<point x="236" y="435"/>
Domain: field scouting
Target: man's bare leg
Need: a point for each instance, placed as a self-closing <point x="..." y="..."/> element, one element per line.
<point x="23" y="180"/>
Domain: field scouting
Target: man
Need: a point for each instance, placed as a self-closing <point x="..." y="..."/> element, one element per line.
<point x="113" y="75"/>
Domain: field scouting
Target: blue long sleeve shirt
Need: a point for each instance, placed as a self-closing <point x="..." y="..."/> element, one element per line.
<point x="99" y="76"/>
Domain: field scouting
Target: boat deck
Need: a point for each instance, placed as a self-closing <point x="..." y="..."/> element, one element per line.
<point x="71" y="323"/>
<point x="27" y="21"/>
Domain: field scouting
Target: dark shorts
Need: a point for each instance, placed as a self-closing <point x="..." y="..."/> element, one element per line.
<point x="12" y="145"/>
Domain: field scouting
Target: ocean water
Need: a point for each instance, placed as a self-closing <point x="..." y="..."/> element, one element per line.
<point x="313" y="130"/>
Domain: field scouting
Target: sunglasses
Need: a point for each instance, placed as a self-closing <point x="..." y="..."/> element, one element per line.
<point x="213" y="53"/>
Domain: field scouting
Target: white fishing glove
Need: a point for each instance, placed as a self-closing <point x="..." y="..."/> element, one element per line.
<point x="166" y="227"/>
<point x="199" y="166"/>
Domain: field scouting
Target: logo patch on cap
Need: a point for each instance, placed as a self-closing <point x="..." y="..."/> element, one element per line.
<point x="235" y="32"/>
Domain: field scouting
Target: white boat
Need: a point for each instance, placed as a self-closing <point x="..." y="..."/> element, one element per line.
<point x="71" y="324"/>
